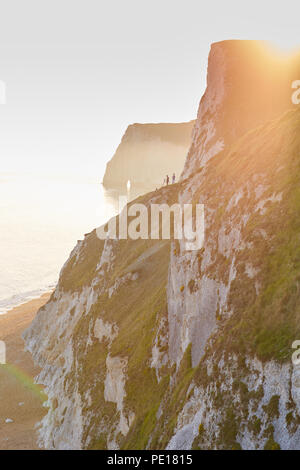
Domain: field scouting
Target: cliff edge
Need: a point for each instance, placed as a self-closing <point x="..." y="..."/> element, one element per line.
<point x="144" y="345"/>
<point x="147" y="153"/>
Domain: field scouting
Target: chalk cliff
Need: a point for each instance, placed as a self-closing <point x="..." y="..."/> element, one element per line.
<point x="146" y="345"/>
<point x="147" y="153"/>
<point x="248" y="83"/>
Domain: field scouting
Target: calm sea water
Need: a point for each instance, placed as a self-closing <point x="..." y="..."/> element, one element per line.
<point x="41" y="219"/>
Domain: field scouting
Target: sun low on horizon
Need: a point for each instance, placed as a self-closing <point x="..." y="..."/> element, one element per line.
<point x="285" y="44"/>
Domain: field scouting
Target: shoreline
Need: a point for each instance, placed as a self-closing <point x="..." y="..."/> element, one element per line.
<point x="9" y="304"/>
<point x="21" y="400"/>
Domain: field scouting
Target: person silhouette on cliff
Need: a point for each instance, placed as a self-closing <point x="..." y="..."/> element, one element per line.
<point x="173" y="178"/>
<point x="167" y="179"/>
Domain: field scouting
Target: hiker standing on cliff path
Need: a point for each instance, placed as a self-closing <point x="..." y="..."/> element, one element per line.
<point x="168" y="179"/>
<point x="173" y="178"/>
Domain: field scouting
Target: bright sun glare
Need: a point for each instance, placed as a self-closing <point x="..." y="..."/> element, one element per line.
<point x="285" y="44"/>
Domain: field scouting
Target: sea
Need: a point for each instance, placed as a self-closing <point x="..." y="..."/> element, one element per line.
<point x="41" y="219"/>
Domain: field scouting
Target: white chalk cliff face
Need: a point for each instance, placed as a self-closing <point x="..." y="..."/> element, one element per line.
<point x="147" y="153"/>
<point x="247" y="85"/>
<point x="146" y="345"/>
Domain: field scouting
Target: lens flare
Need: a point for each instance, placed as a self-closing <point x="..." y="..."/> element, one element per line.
<point x="25" y="380"/>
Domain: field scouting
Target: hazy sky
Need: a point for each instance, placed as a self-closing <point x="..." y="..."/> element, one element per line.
<point x="78" y="72"/>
